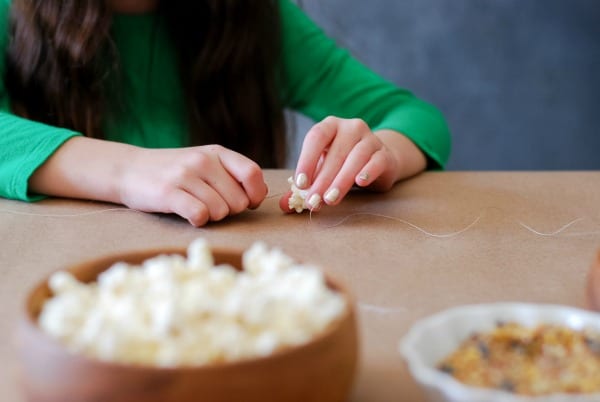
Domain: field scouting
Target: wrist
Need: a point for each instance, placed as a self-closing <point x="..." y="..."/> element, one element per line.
<point x="84" y="168"/>
<point x="125" y="173"/>
<point x="409" y="160"/>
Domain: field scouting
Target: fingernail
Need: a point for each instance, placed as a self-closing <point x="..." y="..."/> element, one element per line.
<point x="301" y="180"/>
<point x="332" y="195"/>
<point x="364" y="176"/>
<point x="314" y="201"/>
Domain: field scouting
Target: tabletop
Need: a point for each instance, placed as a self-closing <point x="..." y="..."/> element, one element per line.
<point x="435" y="241"/>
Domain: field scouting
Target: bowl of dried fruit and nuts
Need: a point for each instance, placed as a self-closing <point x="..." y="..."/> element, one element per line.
<point x="506" y="352"/>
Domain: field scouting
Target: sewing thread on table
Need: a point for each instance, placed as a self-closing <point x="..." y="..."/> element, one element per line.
<point x="404" y="221"/>
<point x="444" y="235"/>
<point x="380" y="310"/>
<point x="560" y="231"/>
<point x="75" y="215"/>
<point x="554" y="233"/>
<point x="549" y="234"/>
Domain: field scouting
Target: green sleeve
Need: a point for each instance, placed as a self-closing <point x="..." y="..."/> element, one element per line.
<point x="24" y="144"/>
<point x="322" y="79"/>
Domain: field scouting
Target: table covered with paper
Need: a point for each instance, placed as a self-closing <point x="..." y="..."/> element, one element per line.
<point x="439" y="240"/>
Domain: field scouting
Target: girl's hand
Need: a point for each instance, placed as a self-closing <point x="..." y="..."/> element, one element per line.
<point x="340" y="153"/>
<point x="201" y="184"/>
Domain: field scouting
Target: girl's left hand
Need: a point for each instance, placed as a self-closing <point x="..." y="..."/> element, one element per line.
<point x="340" y="153"/>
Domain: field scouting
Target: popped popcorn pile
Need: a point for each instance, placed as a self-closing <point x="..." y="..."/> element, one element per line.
<point x="173" y="311"/>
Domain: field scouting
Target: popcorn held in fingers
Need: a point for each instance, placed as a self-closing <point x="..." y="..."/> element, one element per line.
<point x="297" y="200"/>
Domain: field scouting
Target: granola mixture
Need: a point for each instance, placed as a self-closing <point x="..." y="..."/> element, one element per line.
<point x="532" y="361"/>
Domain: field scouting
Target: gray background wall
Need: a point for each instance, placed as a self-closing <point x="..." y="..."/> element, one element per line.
<point x="518" y="80"/>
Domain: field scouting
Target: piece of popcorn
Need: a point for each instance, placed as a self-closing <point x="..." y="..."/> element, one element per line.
<point x="61" y="282"/>
<point x="199" y="255"/>
<point x="259" y="259"/>
<point x="296" y="201"/>
<point x="116" y="277"/>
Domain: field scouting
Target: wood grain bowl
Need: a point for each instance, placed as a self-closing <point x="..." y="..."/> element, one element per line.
<point x="322" y="370"/>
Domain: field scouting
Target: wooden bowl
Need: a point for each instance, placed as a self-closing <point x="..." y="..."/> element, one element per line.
<point x="322" y="370"/>
<point x="593" y="284"/>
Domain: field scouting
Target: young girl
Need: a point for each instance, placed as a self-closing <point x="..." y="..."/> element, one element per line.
<point x="175" y="106"/>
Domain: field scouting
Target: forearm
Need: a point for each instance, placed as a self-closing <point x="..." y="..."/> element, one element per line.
<point x="410" y="160"/>
<point x="83" y="168"/>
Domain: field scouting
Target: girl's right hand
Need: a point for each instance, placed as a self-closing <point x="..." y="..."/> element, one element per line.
<point x="201" y="184"/>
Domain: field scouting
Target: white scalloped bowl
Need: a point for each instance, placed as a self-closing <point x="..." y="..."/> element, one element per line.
<point x="433" y="338"/>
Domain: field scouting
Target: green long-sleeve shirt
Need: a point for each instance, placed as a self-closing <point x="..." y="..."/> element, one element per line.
<point x="319" y="79"/>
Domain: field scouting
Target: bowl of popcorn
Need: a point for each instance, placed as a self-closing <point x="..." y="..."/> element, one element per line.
<point x="200" y="324"/>
<point x="506" y="352"/>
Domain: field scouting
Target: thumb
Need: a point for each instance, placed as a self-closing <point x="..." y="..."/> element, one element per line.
<point x="284" y="202"/>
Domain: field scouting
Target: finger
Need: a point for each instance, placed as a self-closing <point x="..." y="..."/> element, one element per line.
<point x="356" y="161"/>
<point x="189" y="207"/>
<point x="247" y="174"/>
<point x="284" y="203"/>
<point x="315" y="144"/>
<point x="259" y="199"/>
<point x="229" y="190"/>
<point x="372" y="171"/>
<point x="348" y="153"/>
<point x="218" y="208"/>
<point x="373" y="175"/>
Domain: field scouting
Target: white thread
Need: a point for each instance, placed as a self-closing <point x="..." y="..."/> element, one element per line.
<point x="373" y="308"/>
<point x="574" y="234"/>
<point x="6" y="211"/>
<point x="563" y="228"/>
<point x="443" y="235"/>
<point x="559" y="231"/>
<point x="273" y="195"/>
<point x="448" y="235"/>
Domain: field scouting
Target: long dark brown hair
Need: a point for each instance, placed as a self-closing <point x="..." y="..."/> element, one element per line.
<point x="61" y="65"/>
